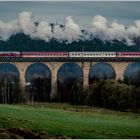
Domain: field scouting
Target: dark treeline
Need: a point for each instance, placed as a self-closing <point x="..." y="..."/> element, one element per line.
<point x="39" y="90"/>
<point x="71" y="91"/>
<point x="10" y="91"/>
<point x="22" y="42"/>
<point x="111" y="94"/>
<point x="114" y="95"/>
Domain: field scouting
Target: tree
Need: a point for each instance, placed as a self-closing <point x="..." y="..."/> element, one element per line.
<point x="10" y="90"/>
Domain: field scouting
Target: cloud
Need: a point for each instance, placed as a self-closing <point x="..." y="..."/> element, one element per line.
<point x="43" y="31"/>
<point x="70" y="31"/>
<point x="114" y="31"/>
<point x="8" y="29"/>
<point x="26" y="24"/>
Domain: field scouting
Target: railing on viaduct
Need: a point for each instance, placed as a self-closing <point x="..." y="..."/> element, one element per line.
<point x="95" y="59"/>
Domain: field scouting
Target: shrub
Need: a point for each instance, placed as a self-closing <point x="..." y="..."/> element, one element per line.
<point x="94" y="94"/>
<point x="114" y="95"/>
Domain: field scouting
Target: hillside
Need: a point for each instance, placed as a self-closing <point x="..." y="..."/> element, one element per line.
<point x="22" y="42"/>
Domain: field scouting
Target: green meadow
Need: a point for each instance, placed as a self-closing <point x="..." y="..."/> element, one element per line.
<point x="71" y="121"/>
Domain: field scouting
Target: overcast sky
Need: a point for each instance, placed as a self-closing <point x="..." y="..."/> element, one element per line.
<point x="82" y="12"/>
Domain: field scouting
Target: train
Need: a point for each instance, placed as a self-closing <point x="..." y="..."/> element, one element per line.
<point x="71" y="54"/>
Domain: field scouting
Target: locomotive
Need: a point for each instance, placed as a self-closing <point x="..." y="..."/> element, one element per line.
<point x="70" y="54"/>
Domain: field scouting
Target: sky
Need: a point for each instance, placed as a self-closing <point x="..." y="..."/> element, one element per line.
<point x="82" y="12"/>
<point x="107" y="20"/>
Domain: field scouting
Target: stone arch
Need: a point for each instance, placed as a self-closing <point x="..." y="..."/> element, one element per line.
<point x="132" y="73"/>
<point x="38" y="82"/>
<point x="101" y="70"/>
<point x="69" y="78"/>
<point x="37" y="70"/>
<point x="10" y="70"/>
<point x="9" y="83"/>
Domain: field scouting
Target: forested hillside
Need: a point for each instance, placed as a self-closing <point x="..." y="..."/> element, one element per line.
<point x="22" y="42"/>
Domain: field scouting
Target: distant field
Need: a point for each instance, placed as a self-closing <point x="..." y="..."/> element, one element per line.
<point x="71" y="122"/>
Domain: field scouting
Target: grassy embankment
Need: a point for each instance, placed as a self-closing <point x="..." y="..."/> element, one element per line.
<point x="70" y="121"/>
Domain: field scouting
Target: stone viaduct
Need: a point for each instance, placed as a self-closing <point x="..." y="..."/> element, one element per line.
<point x="119" y="68"/>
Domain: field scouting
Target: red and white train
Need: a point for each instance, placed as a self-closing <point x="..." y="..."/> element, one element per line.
<point x="70" y="54"/>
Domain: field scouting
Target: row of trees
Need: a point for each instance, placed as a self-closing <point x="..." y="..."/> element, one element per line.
<point x="109" y="94"/>
<point x="10" y="91"/>
<point x="114" y="95"/>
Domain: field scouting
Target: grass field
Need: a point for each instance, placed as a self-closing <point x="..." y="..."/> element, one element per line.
<point x="70" y="121"/>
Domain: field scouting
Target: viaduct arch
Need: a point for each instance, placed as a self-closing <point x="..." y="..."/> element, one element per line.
<point x="119" y="68"/>
<point x="101" y="71"/>
<point x="10" y="71"/>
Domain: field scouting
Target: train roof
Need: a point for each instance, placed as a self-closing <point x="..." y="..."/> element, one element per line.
<point x="9" y="52"/>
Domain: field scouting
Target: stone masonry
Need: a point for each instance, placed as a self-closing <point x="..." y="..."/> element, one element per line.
<point x="119" y="68"/>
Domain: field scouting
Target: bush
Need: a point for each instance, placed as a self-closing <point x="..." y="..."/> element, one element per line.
<point x="114" y="95"/>
<point x="94" y="94"/>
